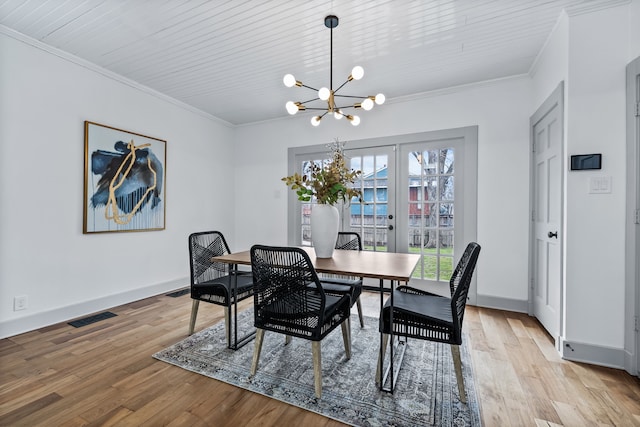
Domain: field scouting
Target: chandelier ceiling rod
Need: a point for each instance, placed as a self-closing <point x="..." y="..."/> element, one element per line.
<point x="331" y="21"/>
<point x="329" y="95"/>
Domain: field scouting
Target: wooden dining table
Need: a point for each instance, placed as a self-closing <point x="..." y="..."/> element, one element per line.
<point x="396" y="268"/>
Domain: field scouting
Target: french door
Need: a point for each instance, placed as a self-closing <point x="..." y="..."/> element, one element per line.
<point x="431" y="215"/>
<point x="374" y="218"/>
<point x="419" y="196"/>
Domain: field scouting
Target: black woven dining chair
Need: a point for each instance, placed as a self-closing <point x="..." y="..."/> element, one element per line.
<point x="346" y="285"/>
<point x="285" y="303"/>
<point x="425" y="316"/>
<point x="213" y="282"/>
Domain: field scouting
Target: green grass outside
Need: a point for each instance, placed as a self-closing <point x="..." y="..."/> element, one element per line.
<point x="429" y="262"/>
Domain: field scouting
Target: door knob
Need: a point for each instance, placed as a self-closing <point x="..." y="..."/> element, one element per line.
<point x="550" y="234"/>
<point x="390" y="227"/>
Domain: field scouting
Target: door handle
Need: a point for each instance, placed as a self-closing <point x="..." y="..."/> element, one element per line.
<point x="550" y="234"/>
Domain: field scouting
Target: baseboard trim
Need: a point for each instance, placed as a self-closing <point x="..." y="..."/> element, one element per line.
<point x="488" y="301"/>
<point x="593" y="354"/>
<point x="35" y="321"/>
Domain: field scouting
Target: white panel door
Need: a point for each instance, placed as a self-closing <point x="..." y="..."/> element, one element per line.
<point x="547" y="217"/>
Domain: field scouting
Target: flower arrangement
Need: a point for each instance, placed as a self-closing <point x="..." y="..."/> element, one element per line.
<point x="328" y="183"/>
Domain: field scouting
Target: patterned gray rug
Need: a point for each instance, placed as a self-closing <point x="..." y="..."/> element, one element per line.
<point x="426" y="392"/>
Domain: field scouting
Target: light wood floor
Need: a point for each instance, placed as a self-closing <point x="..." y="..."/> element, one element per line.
<point x="103" y="374"/>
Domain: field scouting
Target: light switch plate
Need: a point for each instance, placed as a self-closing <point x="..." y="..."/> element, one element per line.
<point x="599" y="184"/>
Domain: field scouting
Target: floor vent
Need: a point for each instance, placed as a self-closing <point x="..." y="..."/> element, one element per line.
<point x="92" y="319"/>
<point x="179" y="293"/>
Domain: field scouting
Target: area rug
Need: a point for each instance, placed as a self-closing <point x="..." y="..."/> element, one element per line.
<point x="426" y="392"/>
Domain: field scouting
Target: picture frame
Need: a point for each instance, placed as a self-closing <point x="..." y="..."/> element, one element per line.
<point x="124" y="180"/>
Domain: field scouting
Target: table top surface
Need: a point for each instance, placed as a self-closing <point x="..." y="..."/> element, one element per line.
<point x="377" y="265"/>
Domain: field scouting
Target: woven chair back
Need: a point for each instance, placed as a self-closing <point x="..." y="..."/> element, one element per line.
<point x="202" y="247"/>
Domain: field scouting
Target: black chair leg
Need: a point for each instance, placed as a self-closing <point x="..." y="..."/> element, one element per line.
<point x="359" y="306"/>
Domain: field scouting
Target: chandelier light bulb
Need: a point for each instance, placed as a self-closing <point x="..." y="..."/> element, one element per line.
<point x="367" y="104"/>
<point x="324" y="93"/>
<point x="357" y="73"/>
<point x="380" y="99"/>
<point x="292" y="108"/>
<point x="355" y="121"/>
<point x="289" y="80"/>
<point x="315" y="120"/>
<point x="337" y="114"/>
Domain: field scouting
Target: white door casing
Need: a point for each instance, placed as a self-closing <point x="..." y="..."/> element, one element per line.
<point x="632" y="243"/>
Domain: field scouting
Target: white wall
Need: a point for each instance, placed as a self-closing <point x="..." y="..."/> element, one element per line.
<point x="595" y="232"/>
<point x="633" y="27"/>
<point x="501" y="111"/>
<point x="43" y="253"/>
<point x="551" y="66"/>
<point x="589" y="52"/>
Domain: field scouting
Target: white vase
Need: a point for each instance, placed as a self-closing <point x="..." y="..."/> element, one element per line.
<point x="324" y="229"/>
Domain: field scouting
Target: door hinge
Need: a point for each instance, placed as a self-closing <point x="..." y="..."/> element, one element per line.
<point x="637" y="326"/>
<point x="533" y="147"/>
<point x="637" y="109"/>
<point x="533" y="215"/>
<point x="637" y="220"/>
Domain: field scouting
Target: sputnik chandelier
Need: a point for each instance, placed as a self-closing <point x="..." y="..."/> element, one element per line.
<point x="329" y="95"/>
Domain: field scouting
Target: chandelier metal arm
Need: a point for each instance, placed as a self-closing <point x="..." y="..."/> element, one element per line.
<point x="308" y="87"/>
<point x="351" y="96"/>
<point x="342" y="85"/>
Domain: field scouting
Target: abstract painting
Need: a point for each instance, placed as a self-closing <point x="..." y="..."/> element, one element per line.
<point x="124" y="180"/>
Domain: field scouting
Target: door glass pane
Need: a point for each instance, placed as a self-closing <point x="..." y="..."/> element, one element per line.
<point x="306" y="223"/>
<point x="371" y="218"/>
<point x="431" y="214"/>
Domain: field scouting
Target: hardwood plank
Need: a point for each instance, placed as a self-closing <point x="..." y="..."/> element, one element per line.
<point x="19" y="414"/>
<point x="105" y="375"/>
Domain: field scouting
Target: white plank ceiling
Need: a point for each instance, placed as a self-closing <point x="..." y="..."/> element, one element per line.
<point x="227" y="58"/>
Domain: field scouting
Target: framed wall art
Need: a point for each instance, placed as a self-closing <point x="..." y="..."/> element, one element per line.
<point x="124" y="180"/>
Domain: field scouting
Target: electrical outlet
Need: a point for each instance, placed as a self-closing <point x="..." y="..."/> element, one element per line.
<point x="20" y="303"/>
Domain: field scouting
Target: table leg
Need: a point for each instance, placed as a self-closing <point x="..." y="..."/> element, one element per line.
<point x="381" y="348"/>
<point x="402" y="346"/>
<point x="389" y="371"/>
<point x="233" y="270"/>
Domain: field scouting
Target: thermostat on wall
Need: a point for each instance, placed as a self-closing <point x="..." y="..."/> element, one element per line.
<point x="586" y="161"/>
